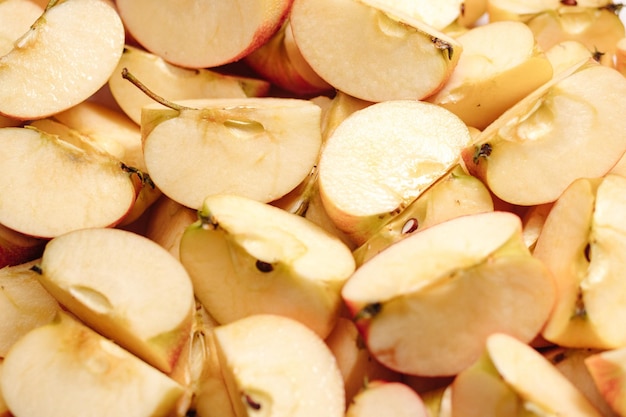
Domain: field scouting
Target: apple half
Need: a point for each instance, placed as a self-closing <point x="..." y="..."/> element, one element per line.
<point x="276" y="366"/>
<point x="386" y="53"/>
<point x="203" y="34"/>
<point x="382" y="157"/>
<point x="65" y="368"/>
<point x="82" y="40"/>
<point x="246" y="257"/>
<point x="260" y="148"/>
<point x="474" y="273"/>
<point x="124" y="286"/>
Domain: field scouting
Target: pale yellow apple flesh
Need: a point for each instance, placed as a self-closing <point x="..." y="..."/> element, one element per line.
<point x="16" y="16"/>
<point x="65" y="368"/>
<point x="276" y="366"/>
<point x="167" y="222"/>
<point x="380" y="158"/>
<point x="124" y="286"/>
<point x="382" y="398"/>
<point x="475" y="286"/>
<point x="173" y="82"/>
<point x="260" y="148"/>
<point x="49" y="187"/>
<point x="384" y="57"/>
<point x="206" y="34"/>
<point x="246" y="257"/>
<point x="608" y="370"/>
<point x="81" y="39"/>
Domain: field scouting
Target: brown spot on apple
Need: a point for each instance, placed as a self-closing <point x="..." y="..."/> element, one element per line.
<point x="251" y="403"/>
<point x="264" y="267"/>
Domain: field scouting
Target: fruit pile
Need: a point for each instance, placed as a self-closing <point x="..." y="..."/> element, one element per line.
<point x="294" y="208"/>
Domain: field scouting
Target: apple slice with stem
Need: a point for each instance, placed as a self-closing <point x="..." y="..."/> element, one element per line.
<point x="387" y="54"/>
<point x="126" y="287"/>
<point x="382" y="157"/>
<point x="453" y="195"/>
<point x="81" y="39"/>
<point x="65" y="368"/>
<point x="276" y="366"/>
<point x="500" y="64"/>
<point x="582" y="243"/>
<point x="24" y="304"/>
<point x="608" y="370"/>
<point x="246" y="257"/>
<point x="475" y="274"/>
<point x="384" y="398"/>
<point x="198" y="37"/>
<point x="174" y="82"/>
<point x="574" y="118"/>
<point x="16" y="17"/>
<point x="50" y="187"/>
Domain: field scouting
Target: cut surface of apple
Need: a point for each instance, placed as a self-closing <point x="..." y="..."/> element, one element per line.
<point x="64" y="368"/>
<point x="608" y="370"/>
<point x="247" y="257"/>
<point x="574" y="119"/>
<point x="582" y="243"/>
<point x="81" y="39"/>
<point x="386" y="54"/>
<point x="173" y="82"/>
<point x="475" y="285"/>
<point x="16" y="16"/>
<point x="198" y="37"/>
<point x="124" y="286"/>
<point x="276" y="366"/>
<point x="380" y="158"/>
<point x="24" y="304"/>
<point x="499" y="66"/>
<point x="382" y="398"/>
<point x="259" y="148"/>
<point x="49" y="187"/>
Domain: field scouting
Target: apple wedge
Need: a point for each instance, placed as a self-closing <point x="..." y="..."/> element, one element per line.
<point x="382" y="157"/>
<point x="24" y="304"/>
<point x="49" y="187"/>
<point x="81" y="39"/>
<point x="383" y="398"/>
<point x="475" y="274"/>
<point x="167" y="222"/>
<point x="500" y="64"/>
<point x="574" y="119"/>
<point x="174" y="82"/>
<point x="16" y="16"/>
<point x="206" y="34"/>
<point x="126" y="287"/>
<point x="260" y="148"/>
<point x="581" y="243"/>
<point x="566" y="54"/>
<point x="276" y="366"/>
<point x="608" y="370"/>
<point x="246" y="257"/>
<point x="387" y="53"/>
<point x="66" y="369"/>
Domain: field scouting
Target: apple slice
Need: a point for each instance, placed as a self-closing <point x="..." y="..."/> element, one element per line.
<point x="471" y="12"/>
<point x="49" y="187"/>
<point x="475" y="274"/>
<point x="276" y="366"/>
<point x="174" y="82"/>
<point x="383" y="398"/>
<point x="380" y="158"/>
<point x="16" y="16"/>
<point x="582" y="243"/>
<point x="124" y="286"/>
<point x="620" y="56"/>
<point x="260" y="148"/>
<point x="65" y="368"/>
<point x="542" y="388"/>
<point x="387" y="54"/>
<point x="81" y="39"/>
<point x="499" y="66"/>
<point x="167" y="222"/>
<point x="246" y="257"/>
<point x="518" y="10"/>
<point x="206" y="34"/>
<point x="455" y="194"/>
<point x="356" y="363"/>
<point x="17" y="248"/>
<point x="566" y="119"/>
<point x="566" y="54"/>
<point x="24" y="304"/>
<point x="608" y="370"/>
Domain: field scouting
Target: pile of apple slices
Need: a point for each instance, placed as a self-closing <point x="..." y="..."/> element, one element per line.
<point x="304" y="208"/>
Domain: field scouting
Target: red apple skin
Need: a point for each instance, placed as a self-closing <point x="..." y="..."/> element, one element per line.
<point x="17" y="248"/>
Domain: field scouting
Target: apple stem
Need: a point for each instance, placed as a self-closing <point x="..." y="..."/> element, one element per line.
<point x="130" y="77"/>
